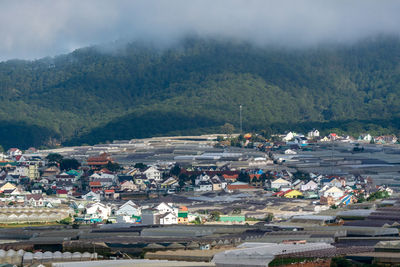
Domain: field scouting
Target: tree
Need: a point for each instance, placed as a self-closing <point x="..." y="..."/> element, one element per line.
<point x="54" y="158"/>
<point x="341" y="262"/>
<point x="66" y="221"/>
<point x="215" y="215"/>
<point x="304" y="176"/>
<point x="244" y="177"/>
<point x="183" y="177"/>
<point x="69" y="164"/>
<point x="269" y="217"/>
<point x="228" y="129"/>
<point x="49" y="192"/>
<point x="197" y="220"/>
<point x="113" y="167"/>
<point x="193" y="179"/>
<point x="140" y="166"/>
<point x="181" y="184"/>
<point x="1" y="149"/>
<point x="176" y="170"/>
<point x="263" y="178"/>
<point x="237" y="211"/>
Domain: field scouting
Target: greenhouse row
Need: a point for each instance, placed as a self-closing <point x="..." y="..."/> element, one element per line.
<point x="22" y="257"/>
<point x="26" y="218"/>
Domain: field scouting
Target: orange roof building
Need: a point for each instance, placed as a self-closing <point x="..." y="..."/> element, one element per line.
<point x="238" y="186"/>
<point x="232" y="177"/>
<point x="99" y="161"/>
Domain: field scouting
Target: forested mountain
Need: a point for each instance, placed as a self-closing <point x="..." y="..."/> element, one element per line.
<point x="134" y="91"/>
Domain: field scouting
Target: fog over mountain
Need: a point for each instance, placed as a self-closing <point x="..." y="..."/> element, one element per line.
<point x="293" y="65"/>
<point x="34" y="29"/>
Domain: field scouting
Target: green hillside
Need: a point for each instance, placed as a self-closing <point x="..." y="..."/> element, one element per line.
<point x="89" y="96"/>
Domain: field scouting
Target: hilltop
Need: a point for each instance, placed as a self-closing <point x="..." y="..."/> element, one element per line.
<point x="135" y="91"/>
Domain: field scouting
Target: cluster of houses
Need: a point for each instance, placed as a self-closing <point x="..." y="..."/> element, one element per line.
<point x="314" y="135"/>
<point x="27" y="179"/>
<point x="330" y="190"/>
<point x="129" y="212"/>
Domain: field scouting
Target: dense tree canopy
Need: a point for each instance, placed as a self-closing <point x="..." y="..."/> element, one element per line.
<point x="89" y="96"/>
<point x="54" y="158"/>
<point x="69" y="164"/>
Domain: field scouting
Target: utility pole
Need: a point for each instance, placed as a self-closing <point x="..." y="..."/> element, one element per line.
<point x="240" y="113"/>
<point x="332" y="150"/>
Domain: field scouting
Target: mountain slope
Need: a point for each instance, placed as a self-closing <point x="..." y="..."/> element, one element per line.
<point x="89" y="96"/>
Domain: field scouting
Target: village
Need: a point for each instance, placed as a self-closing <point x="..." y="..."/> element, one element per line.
<point x="292" y="181"/>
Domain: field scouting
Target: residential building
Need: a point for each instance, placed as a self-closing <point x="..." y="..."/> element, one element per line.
<point x="91" y="196"/>
<point x="168" y="218"/>
<point x="309" y="186"/>
<point x="35" y="200"/>
<point x="183" y="215"/>
<point x="333" y="192"/>
<point x="293" y="194"/>
<point x="152" y="173"/>
<point x="278" y="183"/>
<point x="98" y="210"/>
<point x="128" y="186"/>
<point x="204" y="186"/>
<point x="129" y="208"/>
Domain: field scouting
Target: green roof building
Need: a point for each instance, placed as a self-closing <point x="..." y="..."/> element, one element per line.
<point x="232" y="218"/>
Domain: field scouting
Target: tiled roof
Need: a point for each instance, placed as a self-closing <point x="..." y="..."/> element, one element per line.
<point x="239" y="186"/>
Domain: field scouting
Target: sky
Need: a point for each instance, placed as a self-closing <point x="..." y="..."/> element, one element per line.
<point x="32" y="29"/>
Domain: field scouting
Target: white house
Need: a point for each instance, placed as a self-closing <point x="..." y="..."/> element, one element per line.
<point x="98" y="210"/>
<point x="289" y="136"/>
<point x="334" y="192"/>
<point x="163" y="208"/>
<point x="129" y="209"/>
<point x="35" y="200"/>
<point x="338" y="183"/>
<point x="168" y="218"/>
<point x="36" y="191"/>
<point x="91" y="196"/>
<point x="163" y="213"/>
<point x="365" y="137"/>
<point x="102" y="175"/>
<point x="202" y="178"/>
<point x="218" y="183"/>
<point x="129" y="186"/>
<point x="278" y="183"/>
<point x="204" y="187"/>
<point x="313" y="133"/>
<point x="20" y="170"/>
<point x="290" y="152"/>
<point x="14" y="152"/>
<point x="310" y="186"/>
<point x="152" y="173"/>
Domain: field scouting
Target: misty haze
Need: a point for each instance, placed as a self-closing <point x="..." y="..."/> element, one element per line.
<point x="38" y="29"/>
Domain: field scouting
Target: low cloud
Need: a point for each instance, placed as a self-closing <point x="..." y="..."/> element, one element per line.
<point x="33" y="29"/>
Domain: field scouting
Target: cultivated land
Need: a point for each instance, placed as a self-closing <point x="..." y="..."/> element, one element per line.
<point x="194" y="198"/>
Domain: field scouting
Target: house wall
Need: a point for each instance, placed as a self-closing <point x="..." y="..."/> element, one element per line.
<point x="169" y="219"/>
<point x="148" y="218"/>
<point x="128" y="210"/>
